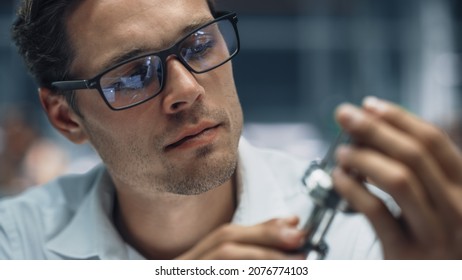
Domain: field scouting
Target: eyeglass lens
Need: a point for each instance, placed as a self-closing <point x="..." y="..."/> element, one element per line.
<point x="143" y="78"/>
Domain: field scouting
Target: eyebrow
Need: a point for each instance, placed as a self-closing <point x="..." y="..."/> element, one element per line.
<point x="194" y="25"/>
<point x="139" y="51"/>
<point x="122" y="57"/>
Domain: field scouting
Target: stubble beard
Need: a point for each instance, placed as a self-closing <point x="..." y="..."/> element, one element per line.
<point x="208" y="173"/>
<point x="209" y="169"/>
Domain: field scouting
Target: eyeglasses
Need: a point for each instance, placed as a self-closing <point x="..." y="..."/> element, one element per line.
<point x="141" y="78"/>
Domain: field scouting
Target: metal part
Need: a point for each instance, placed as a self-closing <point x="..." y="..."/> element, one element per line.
<point x="327" y="202"/>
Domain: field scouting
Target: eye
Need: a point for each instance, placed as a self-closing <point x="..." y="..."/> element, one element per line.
<point x="139" y="77"/>
<point x="197" y="45"/>
<point x="133" y="76"/>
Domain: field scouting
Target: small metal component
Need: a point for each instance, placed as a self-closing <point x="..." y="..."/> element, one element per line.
<point x="327" y="202"/>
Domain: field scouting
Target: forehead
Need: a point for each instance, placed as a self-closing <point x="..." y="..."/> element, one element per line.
<point x="101" y="30"/>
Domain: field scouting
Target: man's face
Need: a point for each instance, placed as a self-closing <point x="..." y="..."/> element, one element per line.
<point x="185" y="139"/>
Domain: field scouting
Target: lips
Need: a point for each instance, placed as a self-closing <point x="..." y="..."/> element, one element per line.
<point x="191" y="134"/>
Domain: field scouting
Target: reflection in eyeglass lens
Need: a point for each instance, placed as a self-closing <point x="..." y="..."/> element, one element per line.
<point x="132" y="82"/>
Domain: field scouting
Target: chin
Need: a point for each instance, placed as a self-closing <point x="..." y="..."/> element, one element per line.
<point x="206" y="173"/>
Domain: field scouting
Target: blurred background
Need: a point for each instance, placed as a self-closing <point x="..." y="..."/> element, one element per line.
<point x="299" y="59"/>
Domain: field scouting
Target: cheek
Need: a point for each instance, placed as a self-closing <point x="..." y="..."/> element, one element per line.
<point x="230" y="92"/>
<point x="124" y="148"/>
<point x="112" y="133"/>
<point x="92" y="105"/>
<point x="219" y="83"/>
<point x="237" y="117"/>
<point x="223" y="89"/>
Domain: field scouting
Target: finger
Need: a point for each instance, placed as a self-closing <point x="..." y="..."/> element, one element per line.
<point x="393" y="142"/>
<point x="386" y="227"/>
<point x="239" y="251"/>
<point x="395" y="179"/>
<point x="277" y="233"/>
<point x="436" y="141"/>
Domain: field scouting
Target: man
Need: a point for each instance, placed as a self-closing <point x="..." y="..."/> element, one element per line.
<point x="149" y="84"/>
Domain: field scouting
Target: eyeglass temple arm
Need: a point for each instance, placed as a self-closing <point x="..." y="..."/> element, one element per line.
<point x="72" y="85"/>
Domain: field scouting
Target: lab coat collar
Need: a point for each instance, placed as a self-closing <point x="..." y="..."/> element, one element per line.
<point x="91" y="233"/>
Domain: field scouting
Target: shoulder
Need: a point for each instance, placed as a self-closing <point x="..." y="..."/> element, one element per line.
<point x="40" y="212"/>
<point x="63" y="192"/>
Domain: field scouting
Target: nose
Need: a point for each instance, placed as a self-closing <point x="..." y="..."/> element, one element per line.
<point x="181" y="87"/>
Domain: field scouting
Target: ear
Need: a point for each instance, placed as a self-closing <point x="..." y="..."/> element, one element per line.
<point x="61" y="116"/>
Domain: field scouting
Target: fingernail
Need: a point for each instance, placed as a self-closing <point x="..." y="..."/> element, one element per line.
<point x="290" y="219"/>
<point x="289" y="234"/>
<point x="283" y="222"/>
<point x="342" y="151"/>
<point x="350" y="115"/>
<point x="374" y="104"/>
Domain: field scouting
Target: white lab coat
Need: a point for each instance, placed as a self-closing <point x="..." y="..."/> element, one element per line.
<point x="71" y="217"/>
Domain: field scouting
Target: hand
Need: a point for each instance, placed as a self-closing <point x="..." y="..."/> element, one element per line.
<point x="414" y="162"/>
<point x="270" y="240"/>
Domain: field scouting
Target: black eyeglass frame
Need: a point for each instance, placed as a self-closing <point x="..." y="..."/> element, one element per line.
<point x="94" y="83"/>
